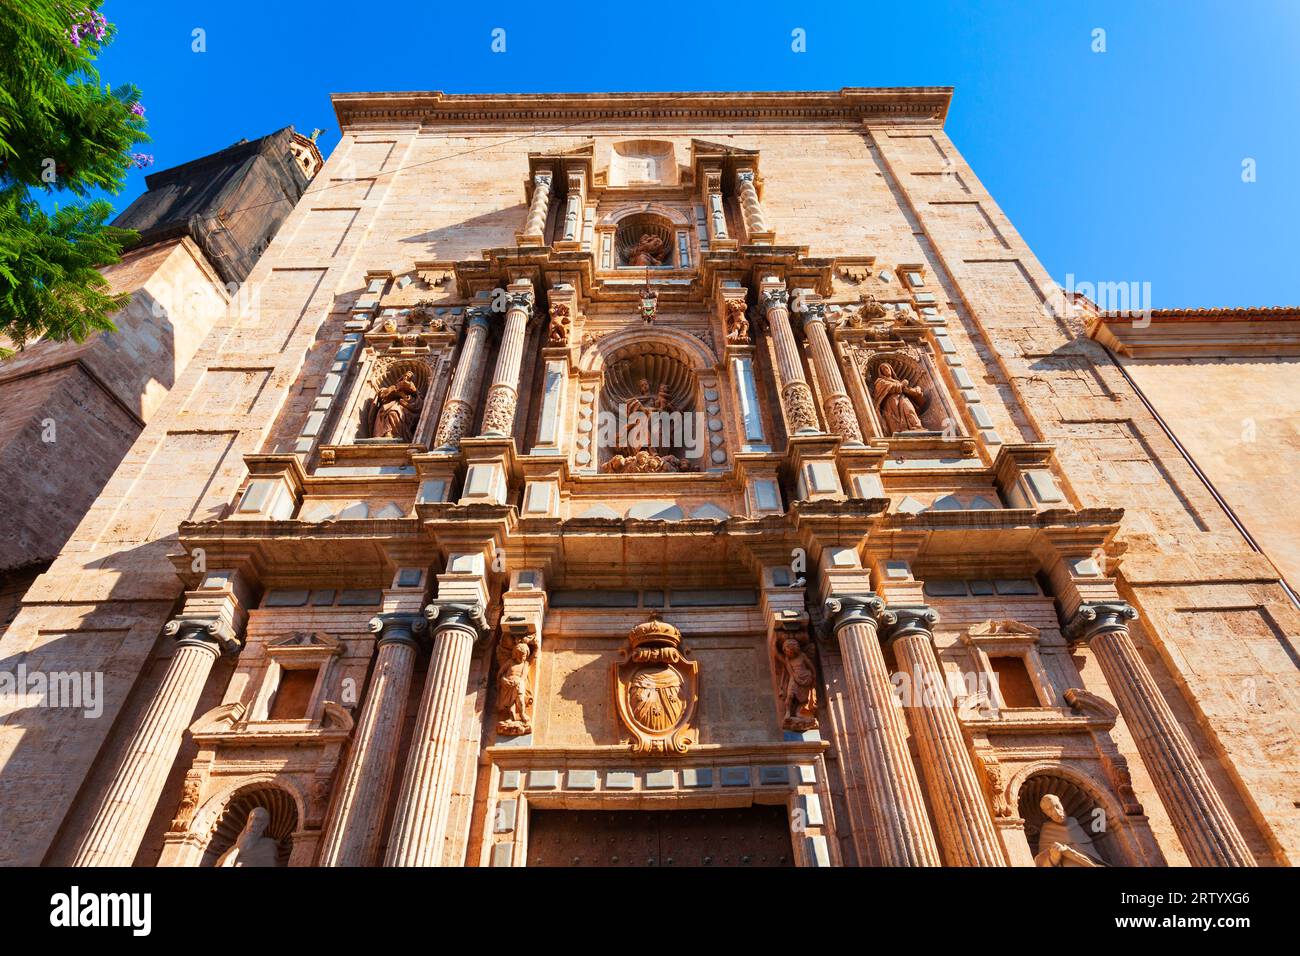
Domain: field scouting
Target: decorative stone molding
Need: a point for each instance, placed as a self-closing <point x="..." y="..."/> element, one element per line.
<point x="398" y="626"/>
<point x="210" y="634"/>
<point x="1096" y="618"/>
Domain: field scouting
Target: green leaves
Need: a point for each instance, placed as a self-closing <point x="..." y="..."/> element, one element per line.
<point x="61" y="131"/>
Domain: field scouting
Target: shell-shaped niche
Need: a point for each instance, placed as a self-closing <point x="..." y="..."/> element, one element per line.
<point x="645" y="240"/>
<point x="639" y="376"/>
<point x="1076" y="801"/>
<point x="402" y="411"/>
<point x="284" y="820"/>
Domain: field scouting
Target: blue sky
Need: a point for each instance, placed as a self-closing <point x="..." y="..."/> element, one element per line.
<point x="1123" y="165"/>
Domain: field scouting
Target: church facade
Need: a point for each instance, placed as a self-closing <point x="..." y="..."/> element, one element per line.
<point x="655" y="480"/>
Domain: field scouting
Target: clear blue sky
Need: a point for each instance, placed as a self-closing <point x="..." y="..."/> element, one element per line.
<point x="1117" y="166"/>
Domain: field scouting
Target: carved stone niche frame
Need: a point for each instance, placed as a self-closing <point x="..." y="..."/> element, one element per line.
<point x="1006" y="638"/>
<point x="656" y="689"/>
<point x="620" y="224"/>
<point x="300" y="651"/>
<point x="378" y="368"/>
<point x="866" y="345"/>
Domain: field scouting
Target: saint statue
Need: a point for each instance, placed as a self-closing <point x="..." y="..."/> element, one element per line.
<point x="801" y="690"/>
<point x="253" y="847"/>
<point x="396" y="408"/>
<point x="737" y="324"/>
<point x="1061" y="841"/>
<point x="515" y="699"/>
<point x="648" y="251"/>
<point x="896" y="398"/>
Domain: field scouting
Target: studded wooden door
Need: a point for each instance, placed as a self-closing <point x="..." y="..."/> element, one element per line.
<point x="747" y="836"/>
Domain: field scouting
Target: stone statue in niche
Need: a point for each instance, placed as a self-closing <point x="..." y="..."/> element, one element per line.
<point x="800" y="686"/>
<point x="397" y="407"/>
<point x="737" y="323"/>
<point x="641" y="454"/>
<point x="1061" y="841"/>
<point x="515" y="653"/>
<point x="897" y="399"/>
<point x="253" y="847"/>
<point x="558" y="331"/>
<point x="648" y="251"/>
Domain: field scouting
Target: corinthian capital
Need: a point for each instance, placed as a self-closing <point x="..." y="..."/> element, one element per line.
<point x="774" y="299"/>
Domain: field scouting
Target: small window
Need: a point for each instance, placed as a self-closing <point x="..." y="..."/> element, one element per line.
<point x="1014" y="683"/>
<point x="293" y="695"/>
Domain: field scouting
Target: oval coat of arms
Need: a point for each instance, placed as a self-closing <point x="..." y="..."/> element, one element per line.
<point x="656" y="686"/>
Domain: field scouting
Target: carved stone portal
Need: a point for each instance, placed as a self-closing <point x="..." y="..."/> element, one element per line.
<point x="656" y="688"/>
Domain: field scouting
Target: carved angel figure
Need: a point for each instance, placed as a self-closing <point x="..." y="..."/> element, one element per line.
<point x="801" y="687"/>
<point x="896" y="398"/>
<point x="558" y="331"/>
<point x="737" y="324"/>
<point x="396" y="409"/>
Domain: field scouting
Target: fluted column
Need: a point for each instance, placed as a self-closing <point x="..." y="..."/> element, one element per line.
<point x="1202" y="822"/>
<point x="420" y="822"/>
<point x="796" y="396"/>
<point x="503" y="395"/>
<point x="355" y="829"/>
<point x="838" y="407"/>
<point x="897" y="804"/>
<point x="747" y="192"/>
<point x="538" y="207"/>
<point x="458" y="410"/>
<point x="123" y="816"/>
<point x="965" y="825"/>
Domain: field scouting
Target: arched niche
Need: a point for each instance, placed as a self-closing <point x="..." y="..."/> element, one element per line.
<point x="649" y="403"/>
<point x="226" y="813"/>
<point x="1082" y="799"/>
<point x="375" y="395"/>
<point x="666" y="230"/>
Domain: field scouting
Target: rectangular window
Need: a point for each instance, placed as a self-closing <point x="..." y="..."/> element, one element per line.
<point x="1014" y="683"/>
<point x="293" y="695"/>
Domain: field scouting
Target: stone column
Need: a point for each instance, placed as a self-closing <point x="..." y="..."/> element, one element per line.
<point x="796" y="396"/>
<point x="897" y="804"/>
<point x="747" y="192"/>
<point x="840" y="416"/>
<point x="123" y="816"/>
<point x="717" y="213"/>
<point x="1204" y="827"/>
<point x="573" y="212"/>
<point x="355" y="829"/>
<point x="420" y="822"/>
<point x="458" y="410"/>
<point x="534" y="229"/>
<point x="503" y="395"/>
<point x="965" y="825"/>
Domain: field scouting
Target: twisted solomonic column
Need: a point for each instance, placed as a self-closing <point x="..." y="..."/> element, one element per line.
<point x="538" y="207"/>
<point x="796" y="396"/>
<point x="355" y="829"/>
<point x="897" y="803"/>
<point x="840" y="415"/>
<point x="1202" y="822"/>
<point x="123" y="815"/>
<point x="503" y="395"/>
<point x="420" y="821"/>
<point x="965" y="825"/>
<point x="458" y="410"/>
<point x="747" y="192"/>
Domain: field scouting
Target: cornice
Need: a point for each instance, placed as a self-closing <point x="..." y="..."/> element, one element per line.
<point x="853" y="104"/>
<point x="1209" y="333"/>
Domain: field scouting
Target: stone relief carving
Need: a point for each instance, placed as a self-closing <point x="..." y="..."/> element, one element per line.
<point x="557" y="333"/>
<point x="656" y="689"/>
<point x="499" y="411"/>
<point x="737" y="323"/>
<point x="189" y="803"/>
<point x="799" y="682"/>
<point x="798" y="401"/>
<point x="515" y="654"/>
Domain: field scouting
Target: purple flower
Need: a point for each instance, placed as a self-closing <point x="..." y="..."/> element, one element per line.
<point x="137" y="109"/>
<point x="142" y="160"/>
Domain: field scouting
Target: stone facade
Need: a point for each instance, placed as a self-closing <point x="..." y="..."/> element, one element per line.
<point x="715" y="479"/>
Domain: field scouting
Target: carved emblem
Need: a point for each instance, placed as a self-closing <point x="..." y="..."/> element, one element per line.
<point x="656" y="687"/>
